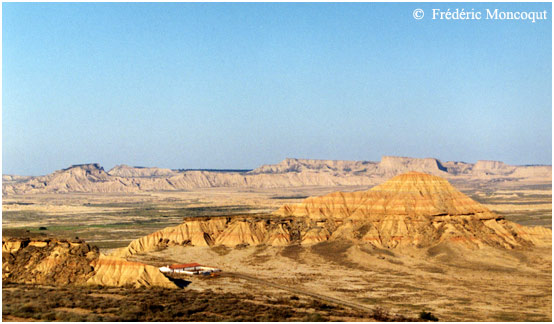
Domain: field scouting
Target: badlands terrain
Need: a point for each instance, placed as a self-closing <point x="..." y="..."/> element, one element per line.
<point x="331" y="240"/>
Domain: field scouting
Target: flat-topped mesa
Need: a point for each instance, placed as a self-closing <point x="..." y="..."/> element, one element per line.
<point x="412" y="194"/>
<point x="126" y="171"/>
<point x="492" y="167"/>
<point x="85" y="166"/>
<point x="314" y="165"/>
<point x="394" y="165"/>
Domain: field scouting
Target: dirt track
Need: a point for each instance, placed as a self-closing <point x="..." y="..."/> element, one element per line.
<point x="298" y="291"/>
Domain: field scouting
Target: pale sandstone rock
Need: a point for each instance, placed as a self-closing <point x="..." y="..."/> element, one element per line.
<point x="50" y="261"/>
<point x="288" y="173"/>
<point x="315" y="235"/>
<point x="126" y="171"/>
<point x="113" y="271"/>
<point x="242" y="232"/>
<point x="416" y="209"/>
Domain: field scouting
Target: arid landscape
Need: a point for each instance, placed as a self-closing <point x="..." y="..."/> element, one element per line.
<point x="276" y="161"/>
<point x="445" y="242"/>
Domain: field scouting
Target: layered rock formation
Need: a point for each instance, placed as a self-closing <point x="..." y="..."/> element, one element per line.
<point x="126" y="171"/>
<point x="288" y="173"/>
<point x="410" y="210"/>
<point x="226" y="231"/>
<point x="412" y="194"/>
<point x="113" y="271"/>
<point x="77" y="178"/>
<point x="12" y="179"/>
<point x="415" y="209"/>
<point x="47" y="261"/>
<point x="392" y="165"/>
<point x="303" y="165"/>
<point x="50" y="261"/>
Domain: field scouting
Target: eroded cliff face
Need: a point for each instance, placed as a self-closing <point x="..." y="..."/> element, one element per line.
<point x="226" y="231"/>
<point x="50" y="261"/>
<point x="288" y="173"/>
<point x="415" y="209"/>
<point x="411" y="194"/>
<point x="410" y="210"/>
<point x="47" y="261"/>
<point x="113" y="271"/>
<point x="126" y="171"/>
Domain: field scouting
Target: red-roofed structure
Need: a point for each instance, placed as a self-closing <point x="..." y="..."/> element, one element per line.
<point x="189" y="268"/>
<point x="184" y="266"/>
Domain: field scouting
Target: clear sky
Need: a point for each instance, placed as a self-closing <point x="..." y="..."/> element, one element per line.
<point x="192" y="85"/>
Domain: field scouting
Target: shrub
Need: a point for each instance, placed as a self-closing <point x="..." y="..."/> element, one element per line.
<point x="314" y="317"/>
<point x="50" y="316"/>
<point x="427" y="316"/>
<point x="380" y="314"/>
<point x="93" y="318"/>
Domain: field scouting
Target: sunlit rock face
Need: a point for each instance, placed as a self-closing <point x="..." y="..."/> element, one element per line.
<point x="51" y="261"/>
<point x="415" y="209"/>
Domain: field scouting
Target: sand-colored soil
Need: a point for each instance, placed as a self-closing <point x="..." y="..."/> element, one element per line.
<point x="511" y="285"/>
<point x="463" y="285"/>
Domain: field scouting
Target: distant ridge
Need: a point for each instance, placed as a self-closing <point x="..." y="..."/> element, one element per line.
<point x="216" y="170"/>
<point x="91" y="166"/>
<point x="124" y="170"/>
<point x="288" y="173"/>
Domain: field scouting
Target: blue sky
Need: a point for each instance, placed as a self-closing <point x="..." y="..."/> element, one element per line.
<point x="231" y="85"/>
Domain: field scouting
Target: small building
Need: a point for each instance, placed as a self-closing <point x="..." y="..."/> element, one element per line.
<point x="165" y="269"/>
<point x="190" y="269"/>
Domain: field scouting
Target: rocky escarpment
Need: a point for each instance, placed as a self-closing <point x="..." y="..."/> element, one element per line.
<point x="227" y="231"/>
<point x="288" y="173"/>
<point x="47" y="261"/>
<point x="126" y="171"/>
<point x="311" y="165"/>
<point x="77" y="178"/>
<point x="50" y="261"/>
<point x="393" y="165"/>
<point x="409" y="210"/>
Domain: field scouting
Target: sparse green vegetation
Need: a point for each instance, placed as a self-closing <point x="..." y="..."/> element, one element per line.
<point x="129" y="220"/>
<point x="81" y="303"/>
<point x="289" y="197"/>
